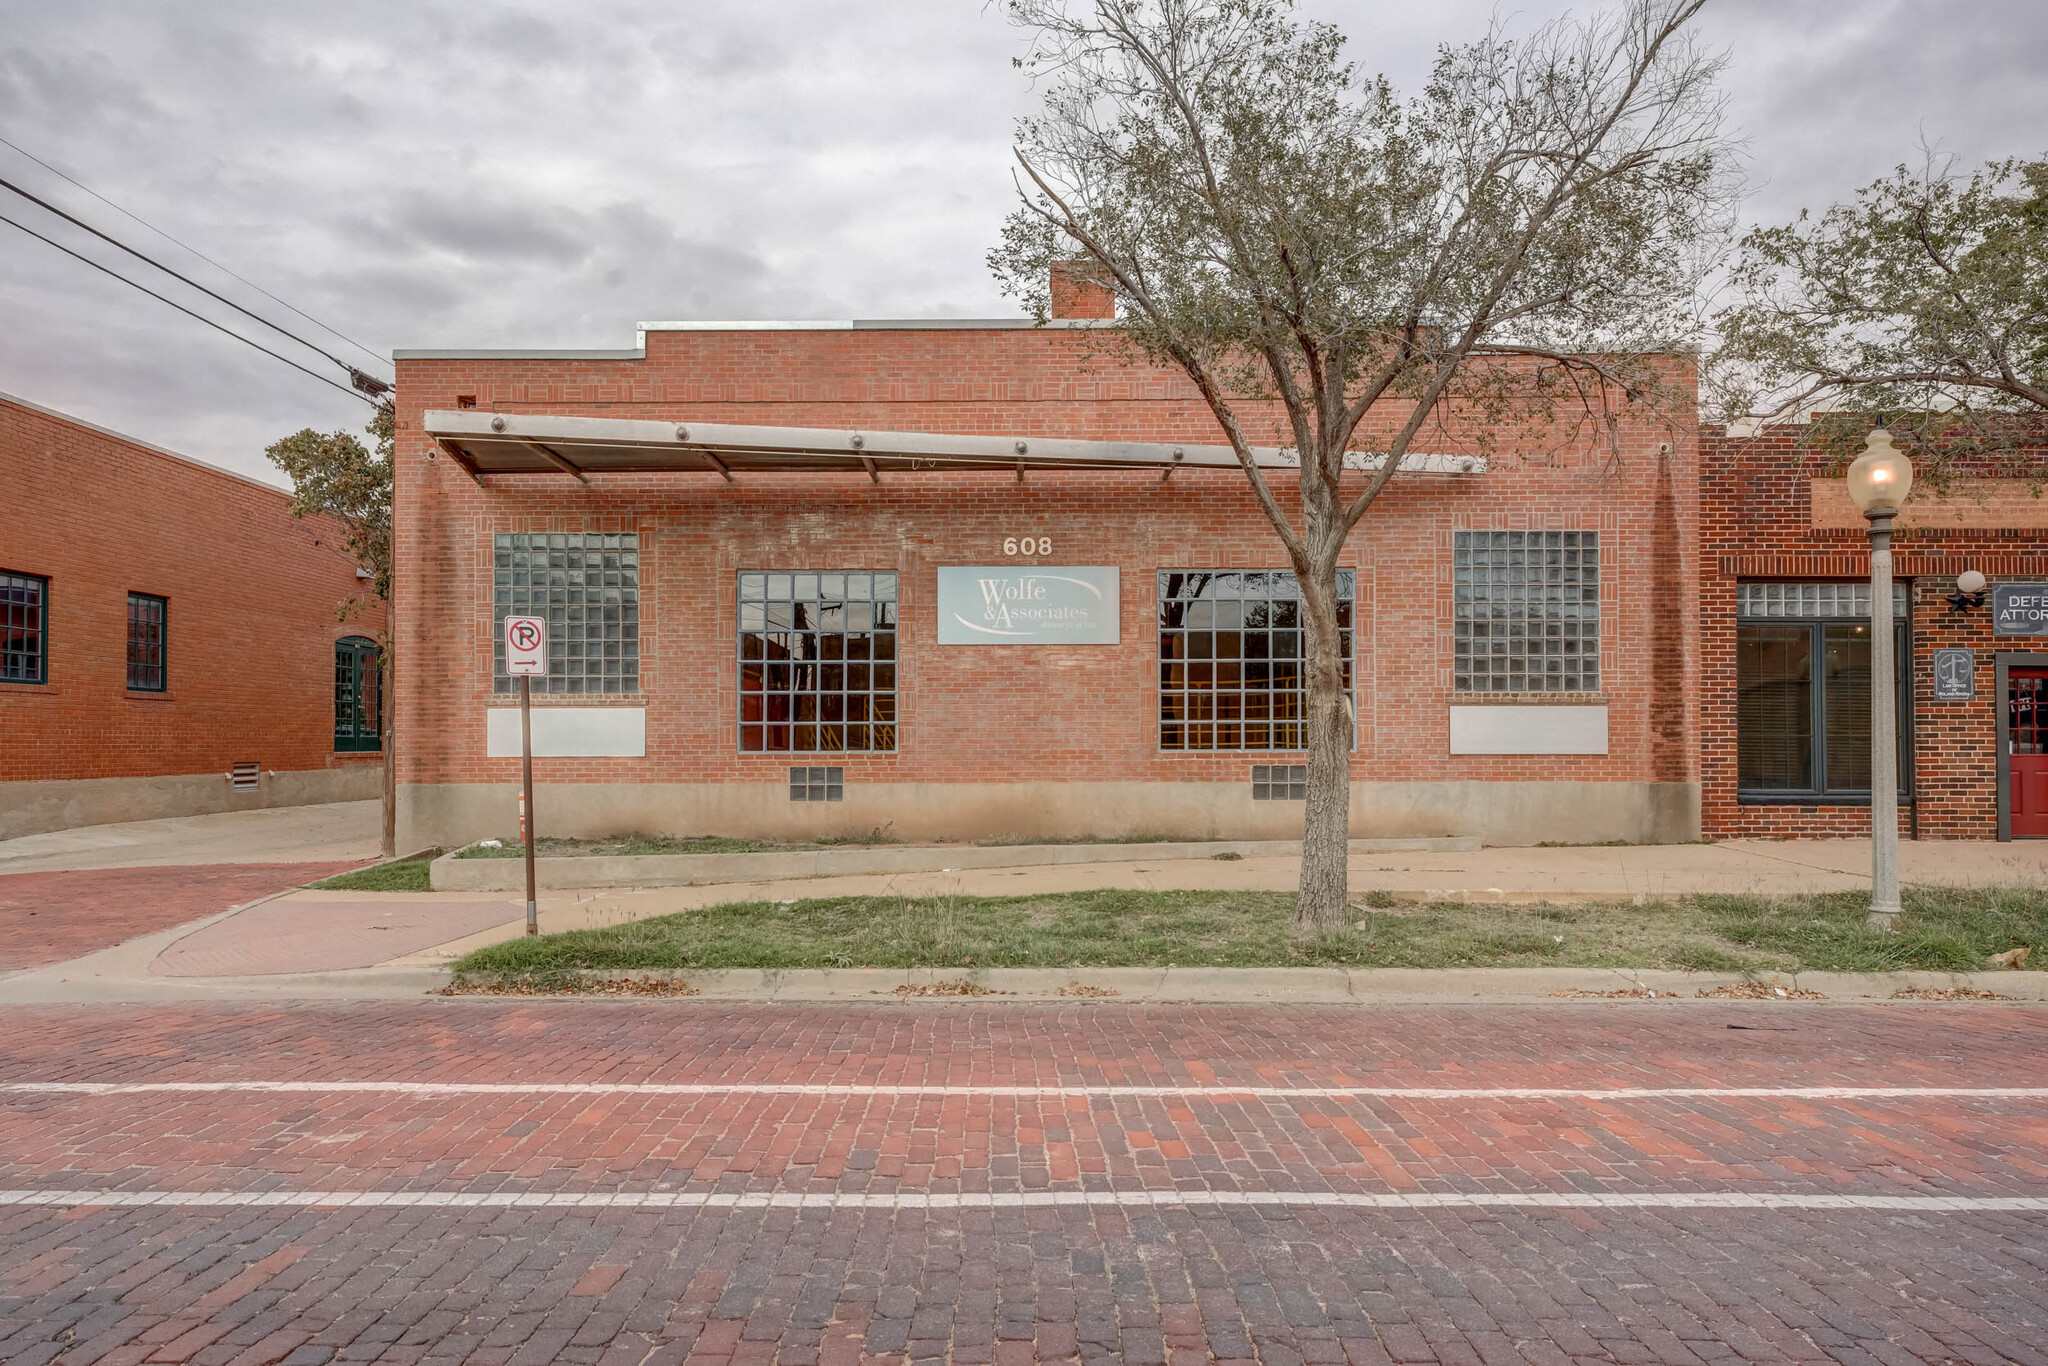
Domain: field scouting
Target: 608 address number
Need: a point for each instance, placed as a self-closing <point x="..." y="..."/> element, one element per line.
<point x="1028" y="545"/>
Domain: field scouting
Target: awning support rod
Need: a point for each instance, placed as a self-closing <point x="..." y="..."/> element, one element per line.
<point x="556" y="459"/>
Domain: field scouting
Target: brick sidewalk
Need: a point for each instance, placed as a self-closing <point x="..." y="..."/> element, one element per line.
<point x="1094" y="1280"/>
<point x="54" y="917"/>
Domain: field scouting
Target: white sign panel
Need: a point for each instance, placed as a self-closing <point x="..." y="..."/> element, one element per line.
<point x="526" y="645"/>
<point x="569" y="732"/>
<point x="1044" y="605"/>
<point x="1481" y="729"/>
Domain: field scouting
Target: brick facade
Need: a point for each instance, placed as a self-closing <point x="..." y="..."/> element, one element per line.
<point x="983" y="716"/>
<point x="251" y="595"/>
<point x="1768" y="512"/>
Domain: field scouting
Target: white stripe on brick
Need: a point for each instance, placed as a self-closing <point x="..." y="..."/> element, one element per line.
<point x="1052" y="1092"/>
<point x="922" y="1200"/>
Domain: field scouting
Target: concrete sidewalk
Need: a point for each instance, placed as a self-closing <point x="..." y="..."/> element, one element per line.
<point x="331" y="832"/>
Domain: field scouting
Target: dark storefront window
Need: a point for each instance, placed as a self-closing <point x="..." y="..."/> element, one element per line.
<point x="1233" y="657"/>
<point x="817" y="661"/>
<point x="587" y="585"/>
<point x="147" y="630"/>
<point x="358" y="697"/>
<point x="1526" y="611"/>
<point x="24" y="628"/>
<point x="1802" y="677"/>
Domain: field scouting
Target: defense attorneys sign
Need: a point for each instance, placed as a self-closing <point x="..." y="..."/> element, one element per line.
<point x="2019" y="609"/>
<point x="1041" y="605"/>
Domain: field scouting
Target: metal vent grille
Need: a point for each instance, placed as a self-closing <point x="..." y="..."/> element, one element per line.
<point x="817" y="784"/>
<point x="247" y="777"/>
<point x="1279" y="782"/>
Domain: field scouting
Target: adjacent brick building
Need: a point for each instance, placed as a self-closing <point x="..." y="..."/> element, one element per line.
<point x="1523" y="647"/>
<point x="163" y="622"/>
<point x="1784" y="551"/>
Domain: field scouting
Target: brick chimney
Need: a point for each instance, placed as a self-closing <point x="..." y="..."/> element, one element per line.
<point x="1078" y="290"/>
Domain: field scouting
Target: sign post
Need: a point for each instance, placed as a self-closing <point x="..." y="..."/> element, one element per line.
<point x="526" y="654"/>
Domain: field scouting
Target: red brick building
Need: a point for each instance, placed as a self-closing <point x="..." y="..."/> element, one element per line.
<point x="1783" y="639"/>
<point x="163" y="623"/>
<point x="978" y="579"/>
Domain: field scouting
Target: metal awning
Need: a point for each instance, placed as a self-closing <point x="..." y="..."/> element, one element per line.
<point x="528" y="443"/>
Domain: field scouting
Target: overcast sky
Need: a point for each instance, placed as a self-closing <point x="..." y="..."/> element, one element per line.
<point x="471" y="173"/>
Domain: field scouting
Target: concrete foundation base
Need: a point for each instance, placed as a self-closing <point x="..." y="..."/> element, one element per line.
<point x="34" y="808"/>
<point x="454" y="814"/>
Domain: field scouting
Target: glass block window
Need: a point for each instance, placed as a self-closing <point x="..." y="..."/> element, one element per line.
<point x="358" y="697"/>
<point x="1232" y="652"/>
<point x="146" y="628"/>
<point x="24" y="628"/>
<point x="1279" y="782"/>
<point x="1812" y="601"/>
<point x="817" y="662"/>
<point x="1526" y="611"/>
<point x="587" y="585"/>
<point x="817" y="784"/>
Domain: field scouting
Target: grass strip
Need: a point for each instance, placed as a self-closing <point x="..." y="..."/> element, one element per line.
<point x="642" y="846"/>
<point x="1943" y="929"/>
<point x="405" y="875"/>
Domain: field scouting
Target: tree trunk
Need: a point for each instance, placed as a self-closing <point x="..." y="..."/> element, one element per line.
<point x="1322" y="904"/>
<point x="390" y="840"/>
<point x="390" y="843"/>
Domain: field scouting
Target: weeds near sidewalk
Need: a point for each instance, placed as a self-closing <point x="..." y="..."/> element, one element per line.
<point x="645" y="846"/>
<point x="567" y="984"/>
<point x="409" y="875"/>
<point x="1943" y="929"/>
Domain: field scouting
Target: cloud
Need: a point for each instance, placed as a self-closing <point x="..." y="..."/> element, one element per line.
<point x="498" y="174"/>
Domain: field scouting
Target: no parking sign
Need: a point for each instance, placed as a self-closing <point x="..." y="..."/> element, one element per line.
<point x="526" y="645"/>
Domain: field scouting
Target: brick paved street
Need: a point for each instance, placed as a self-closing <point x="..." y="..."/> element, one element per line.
<point x="669" y="1181"/>
<point x="50" y="917"/>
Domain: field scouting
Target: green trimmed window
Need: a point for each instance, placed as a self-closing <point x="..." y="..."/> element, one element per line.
<point x="358" y="697"/>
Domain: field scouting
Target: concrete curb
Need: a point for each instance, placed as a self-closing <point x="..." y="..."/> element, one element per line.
<point x="451" y="874"/>
<point x="1366" y="986"/>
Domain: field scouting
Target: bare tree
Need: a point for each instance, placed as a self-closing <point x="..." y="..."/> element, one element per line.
<point x="1925" y="299"/>
<point x="1527" y="234"/>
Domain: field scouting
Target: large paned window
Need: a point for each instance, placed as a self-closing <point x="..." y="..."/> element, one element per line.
<point x="1232" y="658"/>
<point x="358" y="697"/>
<point x="148" y="659"/>
<point x="1802" y="679"/>
<point x="587" y="585"/>
<point x="817" y="661"/>
<point x="24" y="628"/>
<point x="1526" y="611"/>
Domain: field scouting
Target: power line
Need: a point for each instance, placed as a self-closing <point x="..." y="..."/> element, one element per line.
<point x="352" y="393"/>
<point x="374" y="355"/>
<point x="368" y="384"/>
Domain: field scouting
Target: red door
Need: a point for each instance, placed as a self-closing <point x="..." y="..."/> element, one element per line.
<point x="2027" y="716"/>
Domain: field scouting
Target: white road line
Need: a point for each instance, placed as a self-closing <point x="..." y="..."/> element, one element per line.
<point x="923" y="1200"/>
<point x="1053" y="1092"/>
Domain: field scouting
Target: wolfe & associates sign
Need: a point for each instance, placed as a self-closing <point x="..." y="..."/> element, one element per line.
<point x="1037" y="605"/>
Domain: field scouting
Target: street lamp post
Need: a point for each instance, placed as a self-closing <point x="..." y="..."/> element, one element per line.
<point x="1879" y="481"/>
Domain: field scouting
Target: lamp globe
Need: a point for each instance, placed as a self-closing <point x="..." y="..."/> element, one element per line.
<point x="1882" y="476"/>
